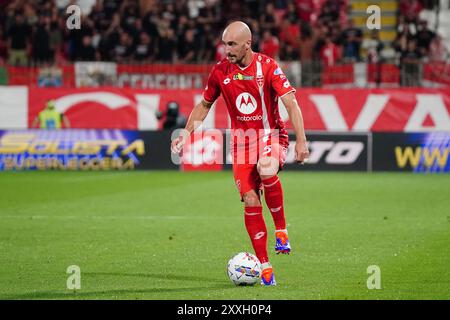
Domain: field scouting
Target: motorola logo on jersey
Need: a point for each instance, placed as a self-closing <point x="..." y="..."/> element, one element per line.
<point x="249" y="118"/>
<point x="246" y="103"/>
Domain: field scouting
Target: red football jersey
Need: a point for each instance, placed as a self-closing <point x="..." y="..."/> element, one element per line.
<point x="251" y="93"/>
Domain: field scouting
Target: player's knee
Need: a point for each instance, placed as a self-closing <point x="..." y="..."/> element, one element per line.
<point x="251" y="199"/>
<point x="267" y="166"/>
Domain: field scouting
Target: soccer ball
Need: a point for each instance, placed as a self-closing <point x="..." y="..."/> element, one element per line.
<point x="244" y="269"/>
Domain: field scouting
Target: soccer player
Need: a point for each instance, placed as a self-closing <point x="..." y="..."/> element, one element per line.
<point x="251" y="84"/>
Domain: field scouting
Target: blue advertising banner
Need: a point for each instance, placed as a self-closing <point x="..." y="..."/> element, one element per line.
<point x="413" y="152"/>
<point x="71" y="150"/>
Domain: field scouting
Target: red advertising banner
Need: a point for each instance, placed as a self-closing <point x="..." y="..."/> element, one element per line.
<point x="383" y="73"/>
<point x="32" y="77"/>
<point x="164" y="76"/>
<point x="357" y="110"/>
<point x="186" y="76"/>
<point x="437" y="71"/>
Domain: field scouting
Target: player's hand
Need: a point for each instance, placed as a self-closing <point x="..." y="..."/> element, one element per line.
<point x="177" y="144"/>
<point x="301" y="152"/>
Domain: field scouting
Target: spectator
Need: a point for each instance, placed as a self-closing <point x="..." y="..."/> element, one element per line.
<point x="167" y="46"/>
<point x="3" y="47"/>
<point x="75" y="37"/>
<point x="424" y="37"/>
<point x="410" y="65"/>
<point x="373" y="47"/>
<point x="220" y="51"/>
<point x="307" y="44"/>
<point x="19" y="41"/>
<point x="330" y="11"/>
<point x="181" y="28"/>
<point x="410" y="9"/>
<point x="310" y="68"/>
<point x="290" y="34"/>
<point x="351" y="42"/>
<point x="188" y="48"/>
<point x="111" y="8"/>
<point x="170" y="16"/>
<point x="256" y="35"/>
<point x="270" y="45"/>
<point x="129" y="12"/>
<point x="438" y="51"/>
<point x="330" y="53"/>
<point x="56" y="36"/>
<point x="99" y="16"/>
<point x="291" y="12"/>
<point x="321" y="32"/>
<point x="30" y="15"/>
<point x="144" y="49"/>
<point x="150" y="22"/>
<point x="267" y="19"/>
<point x="42" y="52"/>
<point x="305" y="9"/>
<point x="194" y="7"/>
<point x="110" y="38"/>
<point x="406" y="28"/>
<point x="104" y="47"/>
<point x="207" y="48"/>
<point x="122" y="52"/>
<point x="335" y="32"/>
<point x="87" y="51"/>
<point x="208" y="14"/>
<point x="46" y="8"/>
<point x="135" y="31"/>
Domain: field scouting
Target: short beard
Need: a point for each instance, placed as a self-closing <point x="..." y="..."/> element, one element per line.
<point x="239" y="61"/>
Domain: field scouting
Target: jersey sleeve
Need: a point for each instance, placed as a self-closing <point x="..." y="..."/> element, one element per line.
<point x="212" y="89"/>
<point x="279" y="81"/>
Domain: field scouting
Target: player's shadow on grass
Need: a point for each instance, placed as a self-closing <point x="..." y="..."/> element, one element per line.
<point x="216" y="285"/>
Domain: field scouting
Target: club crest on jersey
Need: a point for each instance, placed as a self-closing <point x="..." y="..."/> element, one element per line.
<point x="260" y="80"/>
<point x="246" y="103"/>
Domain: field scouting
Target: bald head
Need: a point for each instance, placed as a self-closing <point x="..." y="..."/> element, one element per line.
<point x="237" y="30"/>
<point x="237" y="38"/>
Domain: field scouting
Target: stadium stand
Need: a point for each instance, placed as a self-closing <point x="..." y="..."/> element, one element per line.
<point x="328" y="39"/>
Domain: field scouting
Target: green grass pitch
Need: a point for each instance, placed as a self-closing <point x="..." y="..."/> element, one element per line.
<point x="169" y="235"/>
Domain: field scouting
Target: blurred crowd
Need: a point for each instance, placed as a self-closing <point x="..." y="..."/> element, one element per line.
<point x="189" y="31"/>
<point x="415" y="38"/>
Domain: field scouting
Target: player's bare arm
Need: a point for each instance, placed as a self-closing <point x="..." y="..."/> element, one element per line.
<point x="35" y="123"/>
<point x="65" y="121"/>
<point x="198" y="114"/>
<point x="296" y="118"/>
